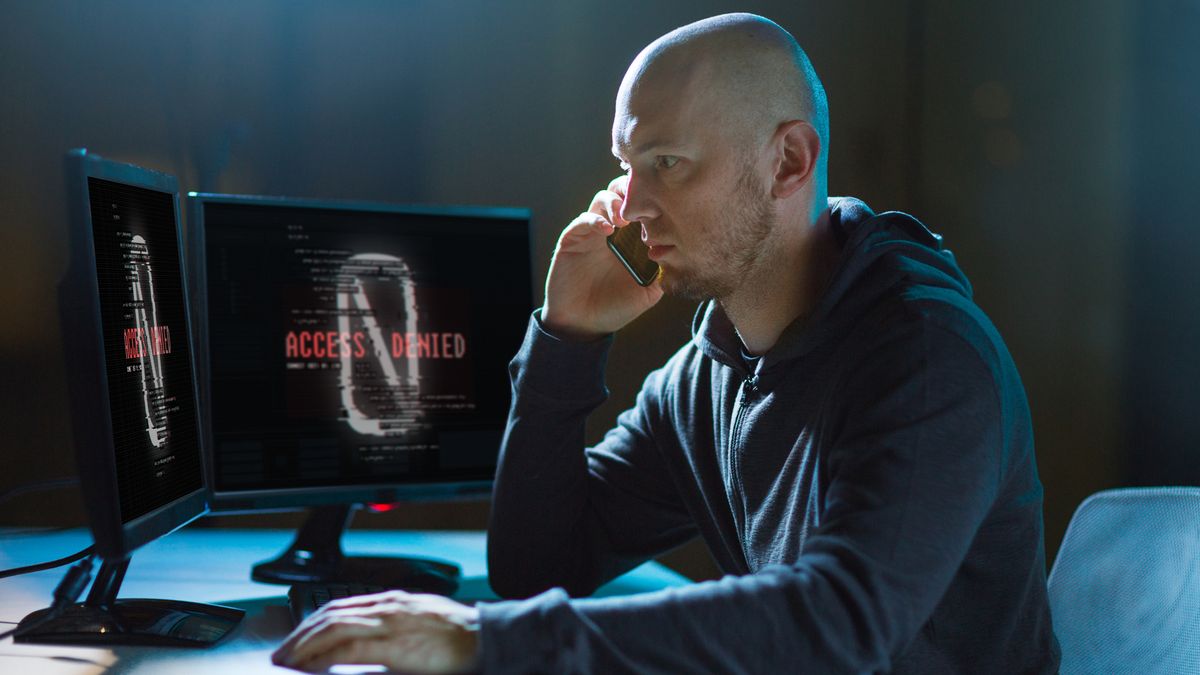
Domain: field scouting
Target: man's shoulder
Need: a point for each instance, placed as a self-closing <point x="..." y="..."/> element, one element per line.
<point x="931" y="323"/>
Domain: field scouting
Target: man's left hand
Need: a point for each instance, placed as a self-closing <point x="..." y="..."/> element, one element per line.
<point x="402" y="631"/>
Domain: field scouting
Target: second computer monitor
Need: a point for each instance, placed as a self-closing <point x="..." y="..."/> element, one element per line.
<point x="355" y="352"/>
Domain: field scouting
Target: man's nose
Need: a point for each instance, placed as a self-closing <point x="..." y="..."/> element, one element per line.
<point x="639" y="203"/>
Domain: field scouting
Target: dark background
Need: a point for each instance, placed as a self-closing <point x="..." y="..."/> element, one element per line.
<point x="1052" y="143"/>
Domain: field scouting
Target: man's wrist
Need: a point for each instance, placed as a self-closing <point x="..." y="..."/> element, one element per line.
<point x="472" y="640"/>
<point x="563" y="369"/>
<point x="476" y="632"/>
<point x="564" y="333"/>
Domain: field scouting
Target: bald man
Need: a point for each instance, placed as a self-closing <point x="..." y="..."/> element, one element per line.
<point x="845" y="431"/>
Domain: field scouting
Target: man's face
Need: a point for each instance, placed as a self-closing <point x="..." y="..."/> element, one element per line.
<point x="699" y="194"/>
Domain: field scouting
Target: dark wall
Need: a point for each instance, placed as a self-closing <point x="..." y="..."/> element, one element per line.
<point x="1010" y="129"/>
<point x="1163" y="350"/>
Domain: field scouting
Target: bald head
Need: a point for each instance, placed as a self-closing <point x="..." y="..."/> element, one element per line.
<point x="741" y="72"/>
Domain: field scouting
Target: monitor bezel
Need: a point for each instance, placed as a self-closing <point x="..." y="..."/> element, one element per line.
<point x="244" y="501"/>
<point x="83" y="342"/>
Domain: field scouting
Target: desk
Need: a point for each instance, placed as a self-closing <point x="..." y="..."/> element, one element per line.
<point x="213" y="565"/>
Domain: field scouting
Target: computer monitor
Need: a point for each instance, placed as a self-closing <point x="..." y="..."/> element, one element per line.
<point x="354" y="353"/>
<point x="133" y="400"/>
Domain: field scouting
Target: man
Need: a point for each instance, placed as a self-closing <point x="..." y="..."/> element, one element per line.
<point x="846" y="430"/>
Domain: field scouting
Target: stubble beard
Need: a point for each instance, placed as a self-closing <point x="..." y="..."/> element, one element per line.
<point x="730" y="251"/>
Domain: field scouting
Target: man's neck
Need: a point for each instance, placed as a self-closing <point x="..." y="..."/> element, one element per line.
<point x="784" y="286"/>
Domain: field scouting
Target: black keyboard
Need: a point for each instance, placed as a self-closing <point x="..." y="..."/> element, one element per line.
<point x="304" y="599"/>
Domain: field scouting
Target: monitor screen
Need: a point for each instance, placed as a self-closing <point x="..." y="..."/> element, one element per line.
<point x="127" y="342"/>
<point x="146" y="354"/>
<point x="352" y="348"/>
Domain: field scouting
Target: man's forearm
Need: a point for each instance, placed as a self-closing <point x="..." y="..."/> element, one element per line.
<point x="782" y="620"/>
<point x="538" y="536"/>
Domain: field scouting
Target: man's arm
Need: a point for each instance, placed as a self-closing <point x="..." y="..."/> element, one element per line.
<point x="910" y="480"/>
<point x="566" y="516"/>
<point x="562" y="515"/>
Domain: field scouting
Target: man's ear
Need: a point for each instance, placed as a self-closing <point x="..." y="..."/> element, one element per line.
<point x="798" y="147"/>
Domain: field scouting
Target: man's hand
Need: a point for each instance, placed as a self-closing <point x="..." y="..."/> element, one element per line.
<point x="589" y="293"/>
<point x="402" y="631"/>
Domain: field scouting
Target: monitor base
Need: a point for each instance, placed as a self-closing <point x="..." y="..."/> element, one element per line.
<point x="136" y="621"/>
<point x="315" y="557"/>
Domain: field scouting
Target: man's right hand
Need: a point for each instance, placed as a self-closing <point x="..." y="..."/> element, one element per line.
<point x="589" y="293"/>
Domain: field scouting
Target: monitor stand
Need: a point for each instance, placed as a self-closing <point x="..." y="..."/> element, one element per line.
<point x="104" y="620"/>
<point x="315" y="557"/>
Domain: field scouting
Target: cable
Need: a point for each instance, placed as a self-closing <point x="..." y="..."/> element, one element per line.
<point x="47" y="565"/>
<point x="35" y="530"/>
<point x="76" y="578"/>
<point x="12" y="493"/>
<point x="37" y="487"/>
<point x="65" y="594"/>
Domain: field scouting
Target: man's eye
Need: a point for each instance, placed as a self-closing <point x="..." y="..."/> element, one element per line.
<point x="666" y="161"/>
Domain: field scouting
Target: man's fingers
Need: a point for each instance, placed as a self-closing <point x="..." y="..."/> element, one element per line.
<point x="584" y="227"/>
<point x="331" y="612"/>
<point x="367" y="600"/>
<point x="603" y="216"/>
<point x="335" y="634"/>
<point x="399" y="630"/>
<point x="329" y="636"/>
<point x="313" y="622"/>
<point x="619" y="185"/>
<point x="363" y="651"/>
<point x="608" y="204"/>
<point x="307" y="626"/>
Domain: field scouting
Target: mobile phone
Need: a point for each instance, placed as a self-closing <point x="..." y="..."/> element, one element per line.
<point x="626" y="243"/>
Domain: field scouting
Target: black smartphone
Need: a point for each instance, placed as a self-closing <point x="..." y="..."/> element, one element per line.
<point x="626" y="243"/>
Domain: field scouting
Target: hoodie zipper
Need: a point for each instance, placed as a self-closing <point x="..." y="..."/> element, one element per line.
<point x="733" y="460"/>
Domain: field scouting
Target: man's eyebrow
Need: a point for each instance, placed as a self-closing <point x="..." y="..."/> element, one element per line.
<point x="640" y="149"/>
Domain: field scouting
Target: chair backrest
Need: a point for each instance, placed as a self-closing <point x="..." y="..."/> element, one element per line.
<point x="1125" y="588"/>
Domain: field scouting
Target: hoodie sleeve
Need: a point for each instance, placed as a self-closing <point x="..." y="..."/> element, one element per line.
<point x="567" y="516"/>
<point x="911" y="473"/>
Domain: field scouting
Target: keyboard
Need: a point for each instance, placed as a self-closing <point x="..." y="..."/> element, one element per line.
<point x="304" y="599"/>
<point x="417" y="576"/>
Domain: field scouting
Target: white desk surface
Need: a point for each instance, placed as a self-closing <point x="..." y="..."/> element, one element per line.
<point x="213" y="565"/>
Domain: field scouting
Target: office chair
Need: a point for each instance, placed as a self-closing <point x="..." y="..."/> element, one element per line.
<point x="1125" y="589"/>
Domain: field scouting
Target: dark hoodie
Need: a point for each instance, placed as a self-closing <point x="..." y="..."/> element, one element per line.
<point x="870" y="489"/>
